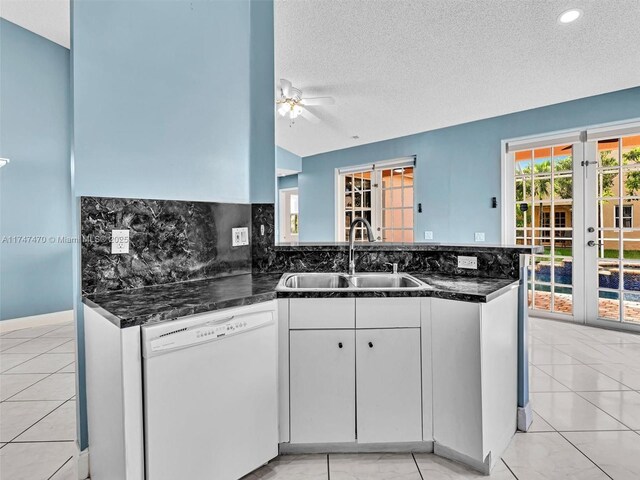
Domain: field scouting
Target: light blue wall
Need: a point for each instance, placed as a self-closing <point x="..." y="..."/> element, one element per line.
<point x="458" y="168"/>
<point x="288" y="181"/>
<point x="262" y="147"/>
<point x="35" y="198"/>
<point x="172" y="100"/>
<point x="287" y="160"/>
<point x="162" y="99"/>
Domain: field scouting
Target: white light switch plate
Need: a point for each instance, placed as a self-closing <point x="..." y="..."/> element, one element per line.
<point x="239" y="236"/>
<point x="467" y="262"/>
<point x="479" y="236"/>
<point x="119" y="241"/>
<point x="428" y="235"/>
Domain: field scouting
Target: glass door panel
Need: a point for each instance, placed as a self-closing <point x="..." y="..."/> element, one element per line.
<point x="544" y="186"/>
<point x="616" y="252"/>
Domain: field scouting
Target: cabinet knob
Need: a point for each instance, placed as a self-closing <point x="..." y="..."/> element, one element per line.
<point x="370" y="345"/>
<point x="340" y="345"/>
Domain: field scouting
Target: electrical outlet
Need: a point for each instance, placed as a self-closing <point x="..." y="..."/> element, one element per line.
<point x="119" y="241"/>
<point x="428" y="235"/>
<point x="467" y="262"/>
<point x="479" y="236"/>
<point x="239" y="236"/>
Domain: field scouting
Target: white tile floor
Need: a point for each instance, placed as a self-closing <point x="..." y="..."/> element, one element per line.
<point x="585" y="391"/>
<point x="37" y="408"/>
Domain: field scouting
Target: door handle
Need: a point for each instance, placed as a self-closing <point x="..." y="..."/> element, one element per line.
<point x="591" y="243"/>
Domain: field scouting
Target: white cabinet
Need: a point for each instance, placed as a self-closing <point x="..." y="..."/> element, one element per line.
<point x="474" y="378"/>
<point x="389" y="397"/>
<point x="322" y="386"/>
<point x="322" y="313"/>
<point x="387" y="312"/>
<point x="335" y="392"/>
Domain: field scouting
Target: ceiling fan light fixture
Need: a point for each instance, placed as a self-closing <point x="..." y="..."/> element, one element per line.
<point x="569" y="16"/>
<point x="296" y="110"/>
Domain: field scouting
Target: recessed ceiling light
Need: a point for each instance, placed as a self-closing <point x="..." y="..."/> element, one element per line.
<point x="569" y="16"/>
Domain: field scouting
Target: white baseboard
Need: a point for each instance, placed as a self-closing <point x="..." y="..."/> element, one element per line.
<point x="54" y="318"/>
<point x="83" y="464"/>
<point x="525" y="417"/>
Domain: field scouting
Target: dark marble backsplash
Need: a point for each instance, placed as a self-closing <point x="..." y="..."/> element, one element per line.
<point x="170" y="241"/>
<point x="493" y="261"/>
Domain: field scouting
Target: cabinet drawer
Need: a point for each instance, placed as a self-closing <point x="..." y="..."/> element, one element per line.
<point x="387" y="312"/>
<point x="320" y="313"/>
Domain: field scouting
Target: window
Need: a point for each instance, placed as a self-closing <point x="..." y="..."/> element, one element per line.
<point x="561" y="219"/>
<point x="627" y="216"/>
<point x="383" y="195"/>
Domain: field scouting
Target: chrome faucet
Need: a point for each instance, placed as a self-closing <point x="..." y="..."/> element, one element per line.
<point x="352" y="263"/>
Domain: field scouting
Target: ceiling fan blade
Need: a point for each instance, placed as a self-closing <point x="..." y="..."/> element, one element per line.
<point x="285" y="86"/>
<point x="307" y="115"/>
<point x="318" y="101"/>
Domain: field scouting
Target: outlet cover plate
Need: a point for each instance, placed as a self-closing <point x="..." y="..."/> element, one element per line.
<point x="428" y="235"/>
<point x="119" y="241"/>
<point x="467" y="262"/>
<point x="239" y="236"/>
<point x="479" y="236"/>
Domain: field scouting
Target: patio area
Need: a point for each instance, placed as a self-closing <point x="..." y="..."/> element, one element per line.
<point x="607" y="308"/>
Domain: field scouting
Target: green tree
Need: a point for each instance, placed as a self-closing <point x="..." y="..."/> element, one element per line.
<point x="564" y="185"/>
<point x="632" y="182"/>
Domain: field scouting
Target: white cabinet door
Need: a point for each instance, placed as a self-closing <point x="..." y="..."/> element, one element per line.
<point x="389" y="397"/>
<point x="322" y="386"/>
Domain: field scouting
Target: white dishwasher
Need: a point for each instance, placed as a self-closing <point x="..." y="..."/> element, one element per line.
<point x="210" y="394"/>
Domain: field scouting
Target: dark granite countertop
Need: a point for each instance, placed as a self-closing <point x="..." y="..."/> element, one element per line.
<point x="409" y="247"/>
<point x="467" y="289"/>
<point x="160" y="303"/>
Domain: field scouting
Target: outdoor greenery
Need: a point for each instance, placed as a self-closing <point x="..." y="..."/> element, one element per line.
<point x="563" y="184"/>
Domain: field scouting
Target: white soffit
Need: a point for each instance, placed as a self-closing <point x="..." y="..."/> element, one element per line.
<point x="401" y="67"/>
<point x="48" y="18"/>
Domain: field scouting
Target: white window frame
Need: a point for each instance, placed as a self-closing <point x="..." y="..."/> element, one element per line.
<point x="376" y="207"/>
<point x="617" y="218"/>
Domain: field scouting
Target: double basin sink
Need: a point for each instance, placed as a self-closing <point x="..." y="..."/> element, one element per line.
<point x="342" y="281"/>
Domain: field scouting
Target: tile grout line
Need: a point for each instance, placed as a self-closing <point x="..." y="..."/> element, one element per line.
<point x="328" y="468"/>
<point x="508" y="468"/>
<point x="38" y="421"/>
<point x="585" y="456"/>
<point x="578" y="393"/>
<point x="7" y="372"/>
<point x="60" y="467"/>
<point x="417" y="466"/>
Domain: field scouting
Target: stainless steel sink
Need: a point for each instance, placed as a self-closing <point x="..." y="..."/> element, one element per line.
<point x="384" y="281"/>
<point x="340" y="281"/>
<point x="316" y="281"/>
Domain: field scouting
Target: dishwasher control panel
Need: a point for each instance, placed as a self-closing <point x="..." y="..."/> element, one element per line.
<point x="206" y="331"/>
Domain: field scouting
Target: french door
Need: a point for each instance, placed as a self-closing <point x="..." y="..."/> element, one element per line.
<point x="612" y="221"/>
<point x="547" y="213"/>
<point x="577" y="196"/>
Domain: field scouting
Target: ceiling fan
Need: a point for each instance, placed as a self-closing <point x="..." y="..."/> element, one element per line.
<point x="291" y="103"/>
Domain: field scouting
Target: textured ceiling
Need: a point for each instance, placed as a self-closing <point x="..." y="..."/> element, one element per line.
<point x="47" y="18"/>
<point x="402" y="67"/>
